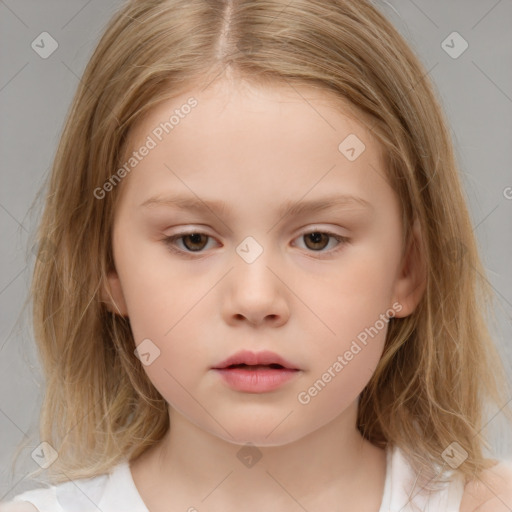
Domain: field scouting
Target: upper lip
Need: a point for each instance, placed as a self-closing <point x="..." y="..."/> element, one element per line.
<point x="255" y="358"/>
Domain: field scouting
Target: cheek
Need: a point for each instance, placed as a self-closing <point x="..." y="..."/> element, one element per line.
<point x="181" y="357"/>
<point x="342" y="371"/>
<point x="154" y="290"/>
<point x="352" y="298"/>
<point x="354" y="305"/>
<point x="332" y="392"/>
<point x="163" y="309"/>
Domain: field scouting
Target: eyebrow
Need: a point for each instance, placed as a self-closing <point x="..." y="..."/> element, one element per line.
<point x="290" y="207"/>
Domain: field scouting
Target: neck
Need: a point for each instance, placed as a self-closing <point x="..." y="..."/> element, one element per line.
<point x="333" y="462"/>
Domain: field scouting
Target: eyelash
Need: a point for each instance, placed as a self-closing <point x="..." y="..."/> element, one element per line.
<point x="169" y="242"/>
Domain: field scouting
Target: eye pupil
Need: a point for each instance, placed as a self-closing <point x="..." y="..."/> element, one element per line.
<point x="196" y="242"/>
<point x="196" y="239"/>
<point x="316" y="238"/>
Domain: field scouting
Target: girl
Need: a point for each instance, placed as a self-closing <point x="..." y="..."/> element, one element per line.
<point x="264" y="291"/>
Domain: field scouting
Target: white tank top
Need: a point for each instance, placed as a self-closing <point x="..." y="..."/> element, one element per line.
<point x="116" y="492"/>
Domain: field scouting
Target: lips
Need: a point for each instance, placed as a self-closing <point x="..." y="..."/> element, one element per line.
<point x="259" y="372"/>
<point x="254" y="360"/>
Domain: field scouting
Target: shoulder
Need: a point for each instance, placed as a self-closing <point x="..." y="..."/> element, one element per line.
<point x="62" y="497"/>
<point x="32" y="501"/>
<point x="18" y="506"/>
<point x="72" y="494"/>
<point x="492" y="492"/>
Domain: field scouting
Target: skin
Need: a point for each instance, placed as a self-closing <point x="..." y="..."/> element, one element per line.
<point x="255" y="149"/>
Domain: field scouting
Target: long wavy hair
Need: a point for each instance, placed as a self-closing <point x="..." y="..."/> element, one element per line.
<point x="439" y="368"/>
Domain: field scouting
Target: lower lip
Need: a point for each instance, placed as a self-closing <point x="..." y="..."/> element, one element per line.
<point x="256" y="381"/>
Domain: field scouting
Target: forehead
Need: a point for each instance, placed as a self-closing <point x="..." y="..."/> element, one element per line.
<point x="286" y="135"/>
<point x="231" y="103"/>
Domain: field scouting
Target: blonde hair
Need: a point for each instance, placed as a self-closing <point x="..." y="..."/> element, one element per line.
<point x="439" y="367"/>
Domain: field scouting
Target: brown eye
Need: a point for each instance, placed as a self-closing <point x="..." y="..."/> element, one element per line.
<point x="316" y="240"/>
<point x="192" y="242"/>
<point x="324" y="243"/>
<point x="195" y="241"/>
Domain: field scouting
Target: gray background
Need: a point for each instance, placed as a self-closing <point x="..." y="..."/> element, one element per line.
<point x="475" y="90"/>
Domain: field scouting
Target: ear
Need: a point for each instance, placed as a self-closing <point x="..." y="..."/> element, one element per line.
<point x="412" y="278"/>
<point x="112" y="294"/>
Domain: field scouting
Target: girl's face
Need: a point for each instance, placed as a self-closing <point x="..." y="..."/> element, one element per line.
<point x="297" y="252"/>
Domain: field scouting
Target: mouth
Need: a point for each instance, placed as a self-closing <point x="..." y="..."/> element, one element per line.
<point x="254" y="367"/>
<point x="255" y="360"/>
<point x="260" y="372"/>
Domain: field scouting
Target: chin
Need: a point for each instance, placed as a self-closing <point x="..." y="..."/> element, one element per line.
<point x="261" y="433"/>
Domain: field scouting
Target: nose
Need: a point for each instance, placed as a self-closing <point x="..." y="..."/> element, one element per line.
<point x="255" y="294"/>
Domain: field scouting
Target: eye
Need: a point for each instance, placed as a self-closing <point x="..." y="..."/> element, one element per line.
<point x="195" y="242"/>
<point x="192" y="242"/>
<point x="317" y="241"/>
